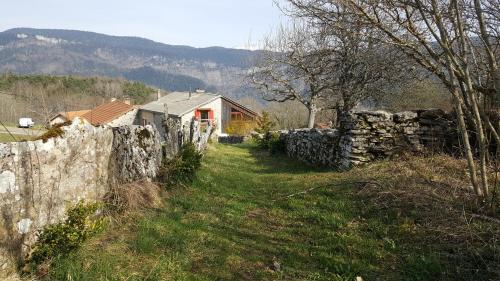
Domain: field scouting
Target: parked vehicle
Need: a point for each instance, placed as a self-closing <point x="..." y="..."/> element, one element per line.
<point x="26" y="122"/>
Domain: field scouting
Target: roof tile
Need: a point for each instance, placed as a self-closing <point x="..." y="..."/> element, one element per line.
<point x="107" y="112"/>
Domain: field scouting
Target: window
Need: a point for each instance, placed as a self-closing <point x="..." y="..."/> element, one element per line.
<point x="204" y="114"/>
<point x="236" y="115"/>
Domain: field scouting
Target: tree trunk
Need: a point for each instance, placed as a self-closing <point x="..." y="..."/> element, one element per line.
<point x="312" y="115"/>
<point x="467" y="147"/>
<point x="474" y="103"/>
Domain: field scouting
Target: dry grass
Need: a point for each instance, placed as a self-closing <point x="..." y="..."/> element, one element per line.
<point x="431" y="200"/>
<point x="54" y="132"/>
<point x="132" y="197"/>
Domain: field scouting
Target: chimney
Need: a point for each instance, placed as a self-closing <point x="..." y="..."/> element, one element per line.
<point x="127" y="101"/>
<point x="158" y="94"/>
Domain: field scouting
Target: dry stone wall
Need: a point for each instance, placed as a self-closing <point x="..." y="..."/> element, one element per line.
<point x="364" y="136"/>
<point x="40" y="179"/>
<point x="177" y="134"/>
<point x="137" y="154"/>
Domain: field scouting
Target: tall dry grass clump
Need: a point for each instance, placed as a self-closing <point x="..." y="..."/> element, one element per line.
<point x="134" y="196"/>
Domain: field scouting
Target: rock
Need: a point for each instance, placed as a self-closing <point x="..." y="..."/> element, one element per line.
<point x="137" y="153"/>
<point x="276" y="266"/>
<point x="81" y="164"/>
<point x="405" y="116"/>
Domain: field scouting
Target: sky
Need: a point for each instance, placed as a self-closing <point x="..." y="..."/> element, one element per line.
<point x="197" y="23"/>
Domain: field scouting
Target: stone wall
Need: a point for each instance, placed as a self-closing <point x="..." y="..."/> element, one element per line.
<point x="177" y="134"/>
<point x="137" y="154"/>
<point x="231" y="139"/>
<point x="40" y="179"/>
<point x="364" y="136"/>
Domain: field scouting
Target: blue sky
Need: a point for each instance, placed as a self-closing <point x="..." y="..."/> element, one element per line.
<point x="198" y="23"/>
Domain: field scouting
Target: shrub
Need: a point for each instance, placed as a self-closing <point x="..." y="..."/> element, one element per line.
<point x="61" y="238"/>
<point x="182" y="168"/>
<point x="240" y="128"/>
<point x="275" y="144"/>
<point x="264" y="127"/>
<point x="264" y="124"/>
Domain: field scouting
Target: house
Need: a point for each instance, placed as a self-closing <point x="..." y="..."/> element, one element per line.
<point x="114" y="113"/>
<point x="63" y="117"/>
<point x="206" y="107"/>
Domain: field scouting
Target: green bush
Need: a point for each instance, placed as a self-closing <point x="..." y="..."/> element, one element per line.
<point x="275" y="144"/>
<point x="182" y="168"/>
<point x="60" y="239"/>
<point x="266" y="139"/>
<point x="272" y="142"/>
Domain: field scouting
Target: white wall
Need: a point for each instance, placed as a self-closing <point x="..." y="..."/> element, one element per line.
<point x="126" y="119"/>
<point x="216" y="106"/>
<point x="58" y="120"/>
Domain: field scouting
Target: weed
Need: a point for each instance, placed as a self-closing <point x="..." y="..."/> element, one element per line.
<point x="62" y="238"/>
<point x="54" y="132"/>
<point x="182" y="168"/>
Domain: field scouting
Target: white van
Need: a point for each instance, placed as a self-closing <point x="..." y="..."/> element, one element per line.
<point x="26" y="122"/>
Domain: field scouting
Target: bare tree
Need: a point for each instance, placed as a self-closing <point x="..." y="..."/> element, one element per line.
<point x="288" y="115"/>
<point x="442" y="37"/>
<point x="361" y="67"/>
<point x="294" y="66"/>
<point x="330" y="66"/>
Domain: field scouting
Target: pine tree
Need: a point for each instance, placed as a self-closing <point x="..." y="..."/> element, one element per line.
<point x="264" y="124"/>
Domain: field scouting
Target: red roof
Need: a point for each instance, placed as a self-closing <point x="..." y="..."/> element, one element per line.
<point x="107" y="112"/>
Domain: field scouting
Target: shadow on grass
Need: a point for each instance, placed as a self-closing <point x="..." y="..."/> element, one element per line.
<point x="279" y="162"/>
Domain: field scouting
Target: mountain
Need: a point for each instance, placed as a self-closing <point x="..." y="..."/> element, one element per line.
<point x="164" y="80"/>
<point x="71" y="52"/>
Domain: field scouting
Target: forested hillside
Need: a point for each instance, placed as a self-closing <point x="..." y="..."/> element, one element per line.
<point x="165" y="80"/>
<point x="71" y="52"/>
<point x="42" y="96"/>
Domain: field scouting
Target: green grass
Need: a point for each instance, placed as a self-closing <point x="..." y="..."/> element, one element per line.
<point x="237" y="220"/>
<point x="8" y="138"/>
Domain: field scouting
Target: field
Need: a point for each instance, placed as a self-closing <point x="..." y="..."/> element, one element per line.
<point x="8" y="138"/>
<point x="252" y="216"/>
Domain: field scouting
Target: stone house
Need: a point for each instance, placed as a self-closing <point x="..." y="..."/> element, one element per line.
<point x="199" y="105"/>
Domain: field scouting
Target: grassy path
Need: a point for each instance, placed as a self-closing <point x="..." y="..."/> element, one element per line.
<point x="235" y="222"/>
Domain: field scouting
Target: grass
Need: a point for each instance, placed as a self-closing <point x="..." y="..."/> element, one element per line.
<point x="247" y="217"/>
<point x="4" y="137"/>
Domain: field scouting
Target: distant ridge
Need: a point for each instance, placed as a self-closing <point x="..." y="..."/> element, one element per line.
<point x="65" y="52"/>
